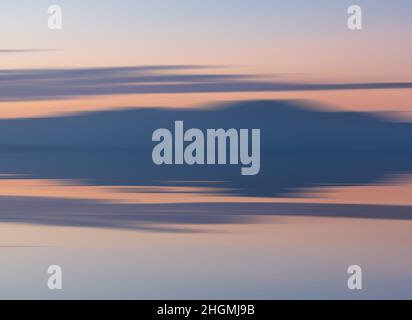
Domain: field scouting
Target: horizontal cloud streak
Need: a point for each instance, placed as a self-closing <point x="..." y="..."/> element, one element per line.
<point x="50" y="84"/>
<point x="24" y="50"/>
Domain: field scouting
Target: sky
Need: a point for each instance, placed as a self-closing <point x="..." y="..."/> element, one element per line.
<point x="299" y="41"/>
<point x="282" y="36"/>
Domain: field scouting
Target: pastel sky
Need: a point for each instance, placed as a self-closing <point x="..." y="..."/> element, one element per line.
<point x="297" y="40"/>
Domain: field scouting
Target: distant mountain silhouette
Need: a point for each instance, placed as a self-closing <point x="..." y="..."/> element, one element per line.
<point x="301" y="147"/>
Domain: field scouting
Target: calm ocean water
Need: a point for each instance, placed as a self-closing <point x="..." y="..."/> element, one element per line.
<point x="245" y="256"/>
